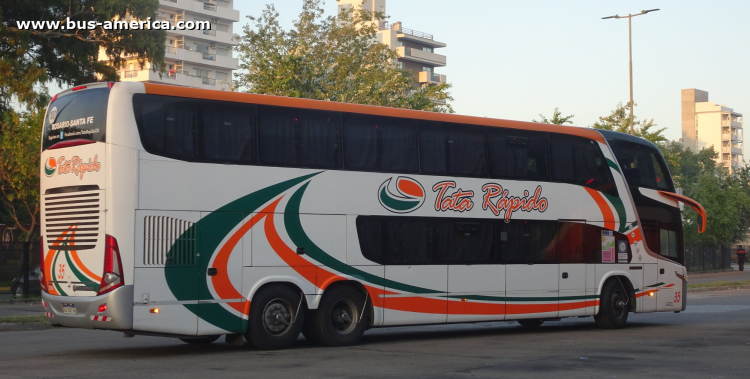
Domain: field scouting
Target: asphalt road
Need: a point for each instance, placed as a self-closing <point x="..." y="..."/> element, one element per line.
<point x="710" y="340"/>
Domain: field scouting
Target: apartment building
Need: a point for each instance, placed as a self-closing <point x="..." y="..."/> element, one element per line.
<point x="194" y="58"/>
<point x="416" y="50"/>
<point x="706" y="124"/>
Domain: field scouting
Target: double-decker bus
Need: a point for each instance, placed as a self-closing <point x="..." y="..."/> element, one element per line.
<point x="194" y="214"/>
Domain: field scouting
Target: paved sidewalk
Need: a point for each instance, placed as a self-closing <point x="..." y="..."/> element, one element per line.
<point x="721" y="276"/>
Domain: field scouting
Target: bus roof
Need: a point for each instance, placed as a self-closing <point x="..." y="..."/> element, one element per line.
<point x="239" y="97"/>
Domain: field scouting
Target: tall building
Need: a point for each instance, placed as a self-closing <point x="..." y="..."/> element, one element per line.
<point x="194" y="58"/>
<point x="416" y="50"/>
<point x="706" y="124"/>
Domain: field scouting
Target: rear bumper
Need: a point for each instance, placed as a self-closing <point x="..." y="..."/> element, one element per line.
<point x="118" y="316"/>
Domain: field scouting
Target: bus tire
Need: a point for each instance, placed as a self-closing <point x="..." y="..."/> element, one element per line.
<point x="338" y="320"/>
<point x="205" y="340"/>
<point x="531" y="323"/>
<point x="613" y="306"/>
<point x="276" y="318"/>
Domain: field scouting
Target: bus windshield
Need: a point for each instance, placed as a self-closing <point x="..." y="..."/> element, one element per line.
<point x="77" y="115"/>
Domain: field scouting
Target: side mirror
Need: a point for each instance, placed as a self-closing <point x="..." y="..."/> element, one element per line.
<point x="693" y="204"/>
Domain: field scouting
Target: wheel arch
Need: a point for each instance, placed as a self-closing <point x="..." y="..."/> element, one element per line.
<point x="626" y="279"/>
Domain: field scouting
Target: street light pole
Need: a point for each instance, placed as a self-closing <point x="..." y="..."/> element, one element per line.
<point x="630" y="55"/>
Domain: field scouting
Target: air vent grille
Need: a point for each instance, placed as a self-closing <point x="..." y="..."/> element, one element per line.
<point x="162" y="233"/>
<point x="72" y="220"/>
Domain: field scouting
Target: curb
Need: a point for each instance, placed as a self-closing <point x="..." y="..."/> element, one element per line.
<point x="17" y="327"/>
<point x="722" y="288"/>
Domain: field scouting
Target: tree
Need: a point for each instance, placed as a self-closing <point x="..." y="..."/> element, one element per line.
<point x="329" y="58"/>
<point x="619" y="121"/>
<point x="557" y="118"/>
<point x="28" y="58"/>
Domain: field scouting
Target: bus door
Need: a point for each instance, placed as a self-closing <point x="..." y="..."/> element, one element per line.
<point x="531" y="274"/>
<point x="572" y="270"/>
<point x="165" y="275"/>
<point x="219" y="272"/>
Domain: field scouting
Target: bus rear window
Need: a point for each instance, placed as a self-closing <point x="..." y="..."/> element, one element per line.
<point x="77" y="115"/>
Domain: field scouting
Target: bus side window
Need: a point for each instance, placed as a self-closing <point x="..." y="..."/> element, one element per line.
<point x="528" y="241"/>
<point x="517" y="154"/>
<point x="570" y="242"/>
<point x="228" y="132"/>
<point x="448" y="149"/>
<point x="169" y="126"/>
<point x="464" y="241"/>
<point x="380" y="144"/>
<point x="579" y="161"/>
<point x="298" y="138"/>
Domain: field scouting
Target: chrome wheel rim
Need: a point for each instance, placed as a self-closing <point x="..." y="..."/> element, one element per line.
<point x="618" y="303"/>
<point x="344" y="316"/>
<point x="277" y="317"/>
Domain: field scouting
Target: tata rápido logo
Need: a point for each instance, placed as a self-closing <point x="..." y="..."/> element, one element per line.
<point x="75" y="165"/>
<point x="401" y="194"/>
<point x="50" y="167"/>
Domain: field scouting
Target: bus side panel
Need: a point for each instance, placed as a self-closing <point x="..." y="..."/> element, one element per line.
<point x="670" y="295"/>
<point x="650" y="281"/>
<point x="411" y="308"/>
<point x="484" y="285"/>
<point x="156" y="233"/>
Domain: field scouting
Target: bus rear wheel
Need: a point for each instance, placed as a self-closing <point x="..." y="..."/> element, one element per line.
<point x="276" y="318"/>
<point x="613" y="306"/>
<point x="201" y="340"/>
<point x="338" y="321"/>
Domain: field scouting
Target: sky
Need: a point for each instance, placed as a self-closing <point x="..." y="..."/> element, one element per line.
<point x="517" y="59"/>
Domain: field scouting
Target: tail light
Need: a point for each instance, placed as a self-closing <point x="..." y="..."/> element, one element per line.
<point x="112" y="277"/>
<point x="42" y="276"/>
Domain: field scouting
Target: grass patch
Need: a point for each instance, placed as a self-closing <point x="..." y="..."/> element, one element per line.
<point x="719" y="284"/>
<point x="22" y="319"/>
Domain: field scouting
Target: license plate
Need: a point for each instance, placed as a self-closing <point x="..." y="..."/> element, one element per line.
<point x="69" y="309"/>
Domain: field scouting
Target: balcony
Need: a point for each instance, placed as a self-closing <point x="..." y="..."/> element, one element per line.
<point x="410" y="34"/>
<point x="421" y="56"/>
<point x="179" y="78"/>
<point x="427" y="77"/>
<point x="202" y="7"/>
<point x="208" y="59"/>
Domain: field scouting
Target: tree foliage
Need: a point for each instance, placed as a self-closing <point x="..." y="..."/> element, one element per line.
<point x="19" y="166"/>
<point x="619" y="121"/>
<point x="29" y="58"/>
<point x="557" y="118"/>
<point x="329" y="58"/>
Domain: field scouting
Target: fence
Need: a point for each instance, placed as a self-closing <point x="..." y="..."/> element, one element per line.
<point x="703" y="257"/>
<point x="11" y="261"/>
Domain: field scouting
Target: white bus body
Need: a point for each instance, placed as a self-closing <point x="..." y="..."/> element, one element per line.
<point x="197" y="242"/>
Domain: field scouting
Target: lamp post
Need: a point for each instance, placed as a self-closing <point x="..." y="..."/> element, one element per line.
<point x="630" y="51"/>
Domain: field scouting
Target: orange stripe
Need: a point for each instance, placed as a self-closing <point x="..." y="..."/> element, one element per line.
<point x="194" y="93"/>
<point x="609" y="217"/>
<point x="221" y="283"/>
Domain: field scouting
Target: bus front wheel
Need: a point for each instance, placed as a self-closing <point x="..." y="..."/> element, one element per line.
<point x="338" y="321"/>
<point x="613" y="306"/>
<point x="276" y="318"/>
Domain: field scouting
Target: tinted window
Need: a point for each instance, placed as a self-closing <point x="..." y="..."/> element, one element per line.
<point x="464" y="241"/>
<point x="527" y="241"/>
<point x="228" y="132"/>
<point x="396" y="240"/>
<point x="380" y="144"/>
<point x="168" y="125"/>
<point x="598" y="245"/>
<point x="641" y="165"/>
<point x="517" y="154"/>
<point x="579" y="161"/>
<point x="77" y="115"/>
<point x="294" y="137"/>
<point x="570" y="242"/>
<point x="452" y="150"/>
<point x="663" y="239"/>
